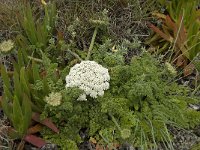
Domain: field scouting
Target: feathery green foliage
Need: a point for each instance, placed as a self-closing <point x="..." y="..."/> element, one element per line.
<point x="138" y="107"/>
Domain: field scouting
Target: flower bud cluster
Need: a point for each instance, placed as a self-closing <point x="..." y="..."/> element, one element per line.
<point x="6" y="46"/>
<point x="53" y="99"/>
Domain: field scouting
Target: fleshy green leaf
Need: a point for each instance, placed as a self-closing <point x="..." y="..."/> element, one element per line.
<point x="5" y="77"/>
<point x="8" y="93"/>
<point x="23" y="81"/>
<point x="35" y="69"/>
<point x="27" y="113"/>
<point x="20" y="59"/>
<point x="17" y="116"/>
<point x="7" y="109"/>
<point x="17" y="87"/>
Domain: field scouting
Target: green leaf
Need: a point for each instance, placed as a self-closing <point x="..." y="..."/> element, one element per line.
<point x="5" y="77"/>
<point x="25" y="56"/>
<point x="20" y="59"/>
<point x="29" y="24"/>
<point x="6" y="107"/>
<point x="22" y="41"/>
<point x="36" y="75"/>
<point x="38" y="99"/>
<point x="42" y="34"/>
<point x="7" y="93"/>
<point x="17" y="116"/>
<point x="27" y="113"/>
<point x="29" y="74"/>
<point x="24" y="82"/>
<point x="50" y="16"/>
<point x="16" y="67"/>
<point x="17" y="87"/>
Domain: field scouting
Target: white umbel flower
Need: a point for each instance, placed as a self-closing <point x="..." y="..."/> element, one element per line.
<point x="53" y="99"/>
<point x="90" y="77"/>
<point x="6" y="46"/>
<point x="82" y="97"/>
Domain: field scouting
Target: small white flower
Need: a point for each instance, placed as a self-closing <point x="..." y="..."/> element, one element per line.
<point x="52" y="41"/>
<point x="93" y="94"/>
<point x="6" y="46"/>
<point x="82" y="97"/>
<point x="105" y="86"/>
<point x="53" y="99"/>
<point x="101" y="93"/>
<point x="90" y="77"/>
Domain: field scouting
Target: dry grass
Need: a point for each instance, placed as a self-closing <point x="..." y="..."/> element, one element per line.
<point x="5" y="142"/>
<point x="127" y="17"/>
<point x="8" y="18"/>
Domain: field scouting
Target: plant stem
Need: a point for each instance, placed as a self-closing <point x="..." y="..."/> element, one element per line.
<point x="92" y="43"/>
<point x="74" y="54"/>
<point x="197" y="88"/>
<point x="35" y="59"/>
<point x="115" y="121"/>
<point x="177" y="35"/>
<point x="64" y="46"/>
<point x="107" y="141"/>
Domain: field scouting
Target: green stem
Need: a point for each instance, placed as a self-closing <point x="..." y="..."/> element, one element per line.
<point x="64" y="46"/>
<point x="92" y="43"/>
<point x="35" y="59"/>
<point x="176" y="38"/>
<point x="115" y="121"/>
<point x="197" y="88"/>
<point x="74" y="54"/>
<point x="110" y="145"/>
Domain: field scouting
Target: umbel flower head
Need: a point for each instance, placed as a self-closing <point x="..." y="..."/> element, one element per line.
<point x="90" y="77"/>
<point x="6" y="46"/>
<point x="125" y="133"/>
<point x="54" y="98"/>
<point x="171" y="69"/>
